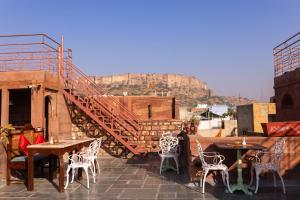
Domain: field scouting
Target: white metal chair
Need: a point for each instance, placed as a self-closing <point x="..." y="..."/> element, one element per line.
<point x="168" y="149"/>
<point x="273" y="164"/>
<point x="216" y="165"/>
<point x="77" y="160"/>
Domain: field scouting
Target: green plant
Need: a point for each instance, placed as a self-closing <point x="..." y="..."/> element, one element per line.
<point x="195" y="119"/>
<point x="4" y="132"/>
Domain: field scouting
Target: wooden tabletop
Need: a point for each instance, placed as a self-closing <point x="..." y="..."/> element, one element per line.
<point x="239" y="146"/>
<point x="61" y="144"/>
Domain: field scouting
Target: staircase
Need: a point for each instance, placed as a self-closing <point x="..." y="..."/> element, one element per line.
<point x="107" y="111"/>
<point x="41" y="52"/>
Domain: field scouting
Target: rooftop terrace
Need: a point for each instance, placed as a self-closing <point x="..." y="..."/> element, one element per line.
<point x="137" y="179"/>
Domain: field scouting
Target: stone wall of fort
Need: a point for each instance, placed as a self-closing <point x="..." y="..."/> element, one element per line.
<point x="170" y="80"/>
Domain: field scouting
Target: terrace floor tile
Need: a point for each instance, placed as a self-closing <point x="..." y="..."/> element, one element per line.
<point x="136" y="179"/>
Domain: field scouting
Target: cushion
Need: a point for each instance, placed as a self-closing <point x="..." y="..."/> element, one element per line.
<point x="39" y="139"/>
<point x="30" y="135"/>
<point x="36" y="157"/>
<point x="23" y="143"/>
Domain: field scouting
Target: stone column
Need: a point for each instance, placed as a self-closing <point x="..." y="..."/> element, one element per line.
<point x="37" y="107"/>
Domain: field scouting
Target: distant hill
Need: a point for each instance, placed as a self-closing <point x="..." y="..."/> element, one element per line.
<point x="188" y="89"/>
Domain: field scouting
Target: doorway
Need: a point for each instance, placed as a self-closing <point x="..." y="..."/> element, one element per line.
<point x="19" y="107"/>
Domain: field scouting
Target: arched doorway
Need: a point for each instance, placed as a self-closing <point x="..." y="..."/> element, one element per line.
<point x="48" y="109"/>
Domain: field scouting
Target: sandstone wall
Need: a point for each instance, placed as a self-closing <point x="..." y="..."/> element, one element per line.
<point x="171" y="80"/>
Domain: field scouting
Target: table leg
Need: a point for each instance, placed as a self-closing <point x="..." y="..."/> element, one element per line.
<point x="61" y="173"/>
<point x="240" y="185"/>
<point x="30" y="169"/>
<point x="50" y="168"/>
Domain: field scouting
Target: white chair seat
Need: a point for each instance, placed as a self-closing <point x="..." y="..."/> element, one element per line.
<point x="266" y="166"/>
<point x="168" y="155"/>
<point x="79" y="165"/>
<point x="217" y="167"/>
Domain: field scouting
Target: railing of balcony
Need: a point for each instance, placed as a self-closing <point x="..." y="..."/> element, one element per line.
<point x="29" y="52"/>
<point x="287" y="55"/>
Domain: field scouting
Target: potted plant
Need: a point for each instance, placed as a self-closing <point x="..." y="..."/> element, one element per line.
<point x="195" y="120"/>
<point x="5" y="131"/>
<point x="186" y="126"/>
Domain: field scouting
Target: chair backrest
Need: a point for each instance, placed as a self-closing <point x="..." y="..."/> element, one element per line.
<point x="201" y="155"/>
<point x="93" y="148"/>
<point x="168" y="144"/>
<point x="278" y="150"/>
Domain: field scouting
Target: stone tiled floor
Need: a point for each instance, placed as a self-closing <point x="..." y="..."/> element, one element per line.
<point x="136" y="179"/>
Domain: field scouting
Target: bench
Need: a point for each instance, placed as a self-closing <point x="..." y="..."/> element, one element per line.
<point x="16" y="160"/>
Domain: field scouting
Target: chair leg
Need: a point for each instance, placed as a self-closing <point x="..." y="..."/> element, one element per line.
<point x="73" y="174"/>
<point x="161" y="164"/>
<point x="93" y="173"/>
<point x="252" y="174"/>
<point x="282" y="182"/>
<point x="93" y="167"/>
<point x="177" y="164"/>
<point x="257" y="172"/>
<point x="274" y="179"/>
<point x="98" y="166"/>
<point x="201" y="181"/>
<point x="8" y="175"/>
<point x="204" y="179"/>
<point x="227" y="181"/>
<point x="223" y="177"/>
<point x="87" y="177"/>
<point x="67" y="182"/>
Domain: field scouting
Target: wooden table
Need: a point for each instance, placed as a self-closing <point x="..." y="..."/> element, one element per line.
<point x="239" y="147"/>
<point x="52" y="150"/>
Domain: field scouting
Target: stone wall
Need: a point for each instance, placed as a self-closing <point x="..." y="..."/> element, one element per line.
<point x="152" y="131"/>
<point x="287" y="95"/>
<point x="171" y="80"/>
<point x="161" y="107"/>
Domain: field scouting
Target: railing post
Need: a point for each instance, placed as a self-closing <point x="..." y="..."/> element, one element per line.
<point x="61" y="58"/>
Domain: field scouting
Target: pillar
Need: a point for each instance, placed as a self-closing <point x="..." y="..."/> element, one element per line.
<point x="5" y="107"/>
<point x="4" y="121"/>
<point x="37" y="107"/>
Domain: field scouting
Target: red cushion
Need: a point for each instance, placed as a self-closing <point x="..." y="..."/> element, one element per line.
<point x="39" y="139"/>
<point x="23" y="143"/>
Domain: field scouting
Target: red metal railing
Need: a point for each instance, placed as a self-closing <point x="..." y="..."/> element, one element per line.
<point x="287" y="55"/>
<point x="29" y="52"/>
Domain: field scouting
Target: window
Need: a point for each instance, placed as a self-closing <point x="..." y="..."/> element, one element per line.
<point x="149" y="111"/>
<point x="173" y="108"/>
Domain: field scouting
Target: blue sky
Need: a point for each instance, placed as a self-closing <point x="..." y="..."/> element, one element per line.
<point x="228" y="43"/>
